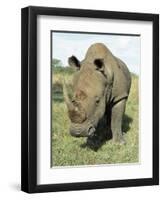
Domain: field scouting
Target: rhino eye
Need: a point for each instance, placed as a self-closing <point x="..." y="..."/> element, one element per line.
<point x="97" y="100"/>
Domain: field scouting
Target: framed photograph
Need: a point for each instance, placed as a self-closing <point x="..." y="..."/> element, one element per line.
<point x="90" y="99"/>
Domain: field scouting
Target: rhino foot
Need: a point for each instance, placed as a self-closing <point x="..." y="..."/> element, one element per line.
<point x="120" y="140"/>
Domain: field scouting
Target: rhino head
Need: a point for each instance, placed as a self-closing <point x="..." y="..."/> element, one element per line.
<point x="92" y="84"/>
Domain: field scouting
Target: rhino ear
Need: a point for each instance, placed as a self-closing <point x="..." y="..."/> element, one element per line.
<point x="99" y="63"/>
<point x="74" y="62"/>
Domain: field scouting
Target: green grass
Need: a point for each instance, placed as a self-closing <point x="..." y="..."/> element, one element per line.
<point x="69" y="151"/>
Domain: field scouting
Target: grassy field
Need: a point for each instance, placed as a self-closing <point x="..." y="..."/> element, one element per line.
<point x="69" y="151"/>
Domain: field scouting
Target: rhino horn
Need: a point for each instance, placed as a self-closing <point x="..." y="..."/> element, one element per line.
<point x="68" y="101"/>
<point x="76" y="113"/>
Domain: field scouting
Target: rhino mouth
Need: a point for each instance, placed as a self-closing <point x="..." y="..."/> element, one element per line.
<point x="82" y="130"/>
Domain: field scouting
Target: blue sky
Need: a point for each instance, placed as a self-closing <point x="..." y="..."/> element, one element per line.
<point x="126" y="48"/>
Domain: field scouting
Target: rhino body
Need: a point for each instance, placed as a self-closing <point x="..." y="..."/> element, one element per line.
<point x="101" y="87"/>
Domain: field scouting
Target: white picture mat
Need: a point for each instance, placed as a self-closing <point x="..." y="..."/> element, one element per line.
<point x="48" y="175"/>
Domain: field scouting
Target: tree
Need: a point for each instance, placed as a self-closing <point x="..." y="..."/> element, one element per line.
<point x="56" y="63"/>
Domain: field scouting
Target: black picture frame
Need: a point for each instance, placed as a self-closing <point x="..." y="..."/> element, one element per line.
<point x="29" y="98"/>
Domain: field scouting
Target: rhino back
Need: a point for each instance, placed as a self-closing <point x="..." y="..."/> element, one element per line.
<point x="98" y="50"/>
<point x="122" y="77"/>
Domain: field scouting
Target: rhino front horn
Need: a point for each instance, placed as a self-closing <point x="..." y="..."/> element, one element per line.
<point x="76" y="113"/>
<point x="68" y="102"/>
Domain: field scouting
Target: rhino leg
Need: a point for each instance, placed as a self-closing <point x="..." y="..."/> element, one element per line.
<point x="116" y="121"/>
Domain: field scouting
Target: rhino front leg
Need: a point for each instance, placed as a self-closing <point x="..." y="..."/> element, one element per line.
<point x="116" y="121"/>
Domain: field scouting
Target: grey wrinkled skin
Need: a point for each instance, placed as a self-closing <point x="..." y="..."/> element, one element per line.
<point x="101" y="87"/>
